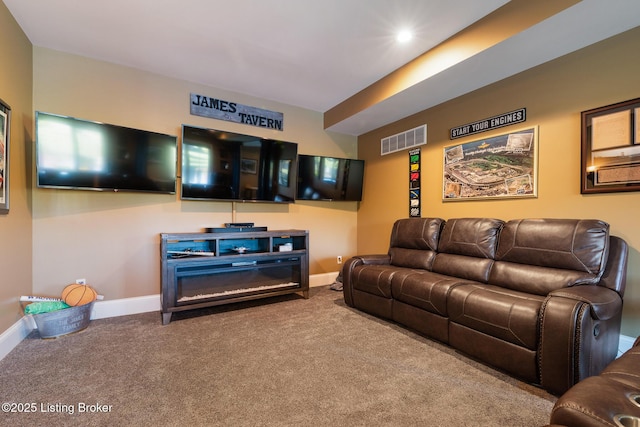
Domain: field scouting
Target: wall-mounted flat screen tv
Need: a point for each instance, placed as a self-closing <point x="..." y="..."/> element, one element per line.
<point x="329" y="178"/>
<point x="73" y="153"/>
<point x="219" y="165"/>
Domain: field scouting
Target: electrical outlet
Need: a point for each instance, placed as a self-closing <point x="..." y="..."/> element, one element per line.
<point x="81" y="281"/>
<point x="339" y="259"/>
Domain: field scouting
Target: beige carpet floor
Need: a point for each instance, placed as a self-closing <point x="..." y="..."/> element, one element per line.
<point x="284" y="361"/>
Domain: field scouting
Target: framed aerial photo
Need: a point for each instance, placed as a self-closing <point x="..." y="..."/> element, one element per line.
<point x="5" y="122"/>
<point x="502" y="166"/>
<point x="610" y="152"/>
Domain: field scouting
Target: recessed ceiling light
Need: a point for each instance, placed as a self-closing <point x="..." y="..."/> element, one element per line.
<point x="404" y="36"/>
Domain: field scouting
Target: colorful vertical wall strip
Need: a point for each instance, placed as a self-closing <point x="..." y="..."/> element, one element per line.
<point x="414" y="183"/>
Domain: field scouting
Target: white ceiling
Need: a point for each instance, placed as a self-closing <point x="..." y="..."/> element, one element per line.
<point x="309" y="53"/>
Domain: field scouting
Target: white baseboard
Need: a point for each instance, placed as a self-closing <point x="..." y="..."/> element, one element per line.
<point x="324" y="279"/>
<point x="10" y="338"/>
<point x="125" y="306"/>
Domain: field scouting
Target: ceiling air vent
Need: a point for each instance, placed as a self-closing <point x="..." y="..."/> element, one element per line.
<point x="404" y="140"/>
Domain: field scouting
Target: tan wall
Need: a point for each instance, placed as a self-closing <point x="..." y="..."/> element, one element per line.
<point x="112" y="240"/>
<point x="15" y="228"/>
<point x="554" y="94"/>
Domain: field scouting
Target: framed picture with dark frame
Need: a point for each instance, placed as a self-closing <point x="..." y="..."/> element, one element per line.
<point x="5" y="125"/>
<point x="610" y="154"/>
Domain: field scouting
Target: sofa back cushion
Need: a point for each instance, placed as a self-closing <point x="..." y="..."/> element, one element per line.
<point x="467" y="248"/>
<point x="541" y="255"/>
<point x="414" y="242"/>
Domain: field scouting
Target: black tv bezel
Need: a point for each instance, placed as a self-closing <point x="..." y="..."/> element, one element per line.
<point x="244" y="137"/>
<point x="330" y="199"/>
<point x="103" y="188"/>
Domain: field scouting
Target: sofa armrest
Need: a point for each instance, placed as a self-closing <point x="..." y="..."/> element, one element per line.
<point x="579" y="334"/>
<point x="350" y="264"/>
<point x="604" y="303"/>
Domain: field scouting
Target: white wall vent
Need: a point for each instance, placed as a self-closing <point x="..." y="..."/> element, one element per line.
<point x="404" y="140"/>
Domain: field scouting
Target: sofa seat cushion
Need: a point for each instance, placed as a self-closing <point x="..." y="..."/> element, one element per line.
<point x="376" y="279"/>
<point x="424" y="289"/>
<point x="506" y="314"/>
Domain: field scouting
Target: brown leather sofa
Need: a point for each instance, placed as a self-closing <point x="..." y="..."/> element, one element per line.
<point x="538" y="298"/>
<point x="609" y="399"/>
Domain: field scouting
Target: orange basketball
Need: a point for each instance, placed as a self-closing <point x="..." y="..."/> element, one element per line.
<point x="76" y="294"/>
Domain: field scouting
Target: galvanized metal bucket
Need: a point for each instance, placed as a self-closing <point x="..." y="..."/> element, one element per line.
<point x="62" y="322"/>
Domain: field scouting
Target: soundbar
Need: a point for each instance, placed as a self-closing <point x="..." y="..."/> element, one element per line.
<point x="233" y="229"/>
<point x="239" y="224"/>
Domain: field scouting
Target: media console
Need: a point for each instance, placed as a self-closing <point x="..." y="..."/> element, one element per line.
<point x="206" y="269"/>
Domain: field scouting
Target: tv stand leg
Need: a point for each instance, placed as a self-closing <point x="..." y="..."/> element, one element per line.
<point x="305" y="294"/>
<point x="166" y="318"/>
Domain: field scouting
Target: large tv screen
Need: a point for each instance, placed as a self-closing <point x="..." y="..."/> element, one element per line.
<point x="219" y="165"/>
<point x="329" y="178"/>
<point x="73" y="153"/>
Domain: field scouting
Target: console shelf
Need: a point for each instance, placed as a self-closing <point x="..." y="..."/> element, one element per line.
<point x="206" y="269"/>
